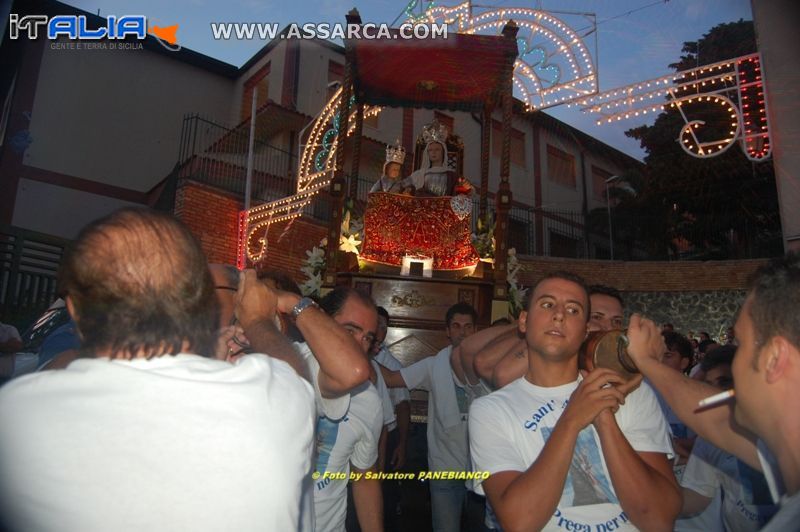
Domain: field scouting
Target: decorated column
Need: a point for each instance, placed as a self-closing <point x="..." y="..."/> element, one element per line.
<point x="337" y="188"/>
<point x="500" y="292"/>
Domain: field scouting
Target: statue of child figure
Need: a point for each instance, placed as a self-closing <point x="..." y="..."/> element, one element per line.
<point x="390" y="179"/>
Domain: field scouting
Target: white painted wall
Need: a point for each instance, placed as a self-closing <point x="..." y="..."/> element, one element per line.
<point x="115" y="117"/>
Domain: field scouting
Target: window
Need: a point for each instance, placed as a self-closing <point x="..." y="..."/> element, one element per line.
<point x="599" y="177"/>
<point x="563" y="246"/>
<point x="517" y="144"/>
<point x="520" y="236"/>
<point x="260" y="83"/>
<point x="560" y="167"/>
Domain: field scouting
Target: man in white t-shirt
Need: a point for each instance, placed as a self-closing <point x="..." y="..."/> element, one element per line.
<point x="448" y="407"/>
<point x="766" y="372"/>
<point x="347" y="447"/>
<point x="333" y="359"/>
<point x="566" y="449"/>
<point x="150" y="432"/>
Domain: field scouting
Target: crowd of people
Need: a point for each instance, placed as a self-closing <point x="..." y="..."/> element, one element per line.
<point x="192" y="396"/>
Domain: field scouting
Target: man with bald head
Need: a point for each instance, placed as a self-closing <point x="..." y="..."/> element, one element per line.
<point x="149" y="432"/>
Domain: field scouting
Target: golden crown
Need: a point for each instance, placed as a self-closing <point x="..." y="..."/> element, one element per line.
<point x="434" y="132"/>
<point x="396" y="153"/>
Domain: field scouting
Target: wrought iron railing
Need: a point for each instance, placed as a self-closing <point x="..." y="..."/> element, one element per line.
<point x="217" y="155"/>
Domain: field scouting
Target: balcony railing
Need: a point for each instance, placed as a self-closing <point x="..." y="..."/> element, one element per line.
<point x="216" y="155"/>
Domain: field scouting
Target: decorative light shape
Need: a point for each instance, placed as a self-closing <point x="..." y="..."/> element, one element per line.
<point x="736" y="85"/>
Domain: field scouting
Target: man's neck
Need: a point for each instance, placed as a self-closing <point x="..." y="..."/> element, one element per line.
<point x="784" y="447"/>
<point x="551" y="373"/>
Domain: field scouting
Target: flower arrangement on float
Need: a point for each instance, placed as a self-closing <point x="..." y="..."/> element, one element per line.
<point x="349" y="242"/>
<point x="516" y="294"/>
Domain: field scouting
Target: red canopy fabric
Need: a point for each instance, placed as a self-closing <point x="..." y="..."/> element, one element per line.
<point x="460" y="72"/>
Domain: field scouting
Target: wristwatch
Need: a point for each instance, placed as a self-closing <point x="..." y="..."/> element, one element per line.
<point x="303" y="304"/>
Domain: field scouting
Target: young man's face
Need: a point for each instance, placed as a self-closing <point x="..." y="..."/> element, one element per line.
<point x="461" y="326"/>
<point x="360" y="320"/>
<point x="606" y="313"/>
<point x="720" y="377"/>
<point x="746" y="370"/>
<point x="674" y="360"/>
<point x="555" y="325"/>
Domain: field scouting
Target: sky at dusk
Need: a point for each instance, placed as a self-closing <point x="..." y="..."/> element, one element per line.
<point x="635" y="39"/>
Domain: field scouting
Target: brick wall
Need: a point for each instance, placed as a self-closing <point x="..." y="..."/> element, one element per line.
<point x="212" y="215"/>
<point x="647" y="276"/>
<point x="287" y="247"/>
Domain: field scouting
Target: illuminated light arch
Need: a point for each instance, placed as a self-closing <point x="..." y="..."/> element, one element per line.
<point x="737" y="85"/>
<point x="563" y="71"/>
<point x="554" y="65"/>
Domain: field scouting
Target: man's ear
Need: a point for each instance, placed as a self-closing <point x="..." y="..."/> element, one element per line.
<point x="73" y="313"/>
<point x="685" y="363"/>
<point x="781" y="354"/>
<point x="523" y="318"/>
<point x="71" y="308"/>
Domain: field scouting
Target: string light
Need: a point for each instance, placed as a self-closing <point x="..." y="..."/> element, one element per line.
<point x="568" y="56"/>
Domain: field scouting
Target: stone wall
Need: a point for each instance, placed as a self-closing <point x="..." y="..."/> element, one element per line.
<point x="693" y="296"/>
<point x="712" y="312"/>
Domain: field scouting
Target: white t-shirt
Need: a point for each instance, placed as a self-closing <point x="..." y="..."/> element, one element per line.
<point x="396" y="395"/>
<point x="332" y="408"/>
<point x="747" y="503"/>
<point x="448" y="410"/>
<point x="509" y="428"/>
<point x="173" y="443"/>
<point x="352" y="439"/>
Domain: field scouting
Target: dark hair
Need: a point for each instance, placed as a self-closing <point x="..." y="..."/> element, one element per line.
<point x="606" y="291"/>
<point x="704" y="344"/>
<point x="460" y="308"/>
<point x="679" y="343"/>
<point x="334" y="300"/>
<point x="774" y="292"/>
<point x="720" y="356"/>
<point x="383" y="312"/>
<point x="139" y="282"/>
<point x="501" y="321"/>
<point x="567" y="276"/>
<point x="282" y="280"/>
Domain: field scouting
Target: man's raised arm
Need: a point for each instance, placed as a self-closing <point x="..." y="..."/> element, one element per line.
<point x="715" y="425"/>
<point x="473" y="347"/>
<point x="342" y="363"/>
